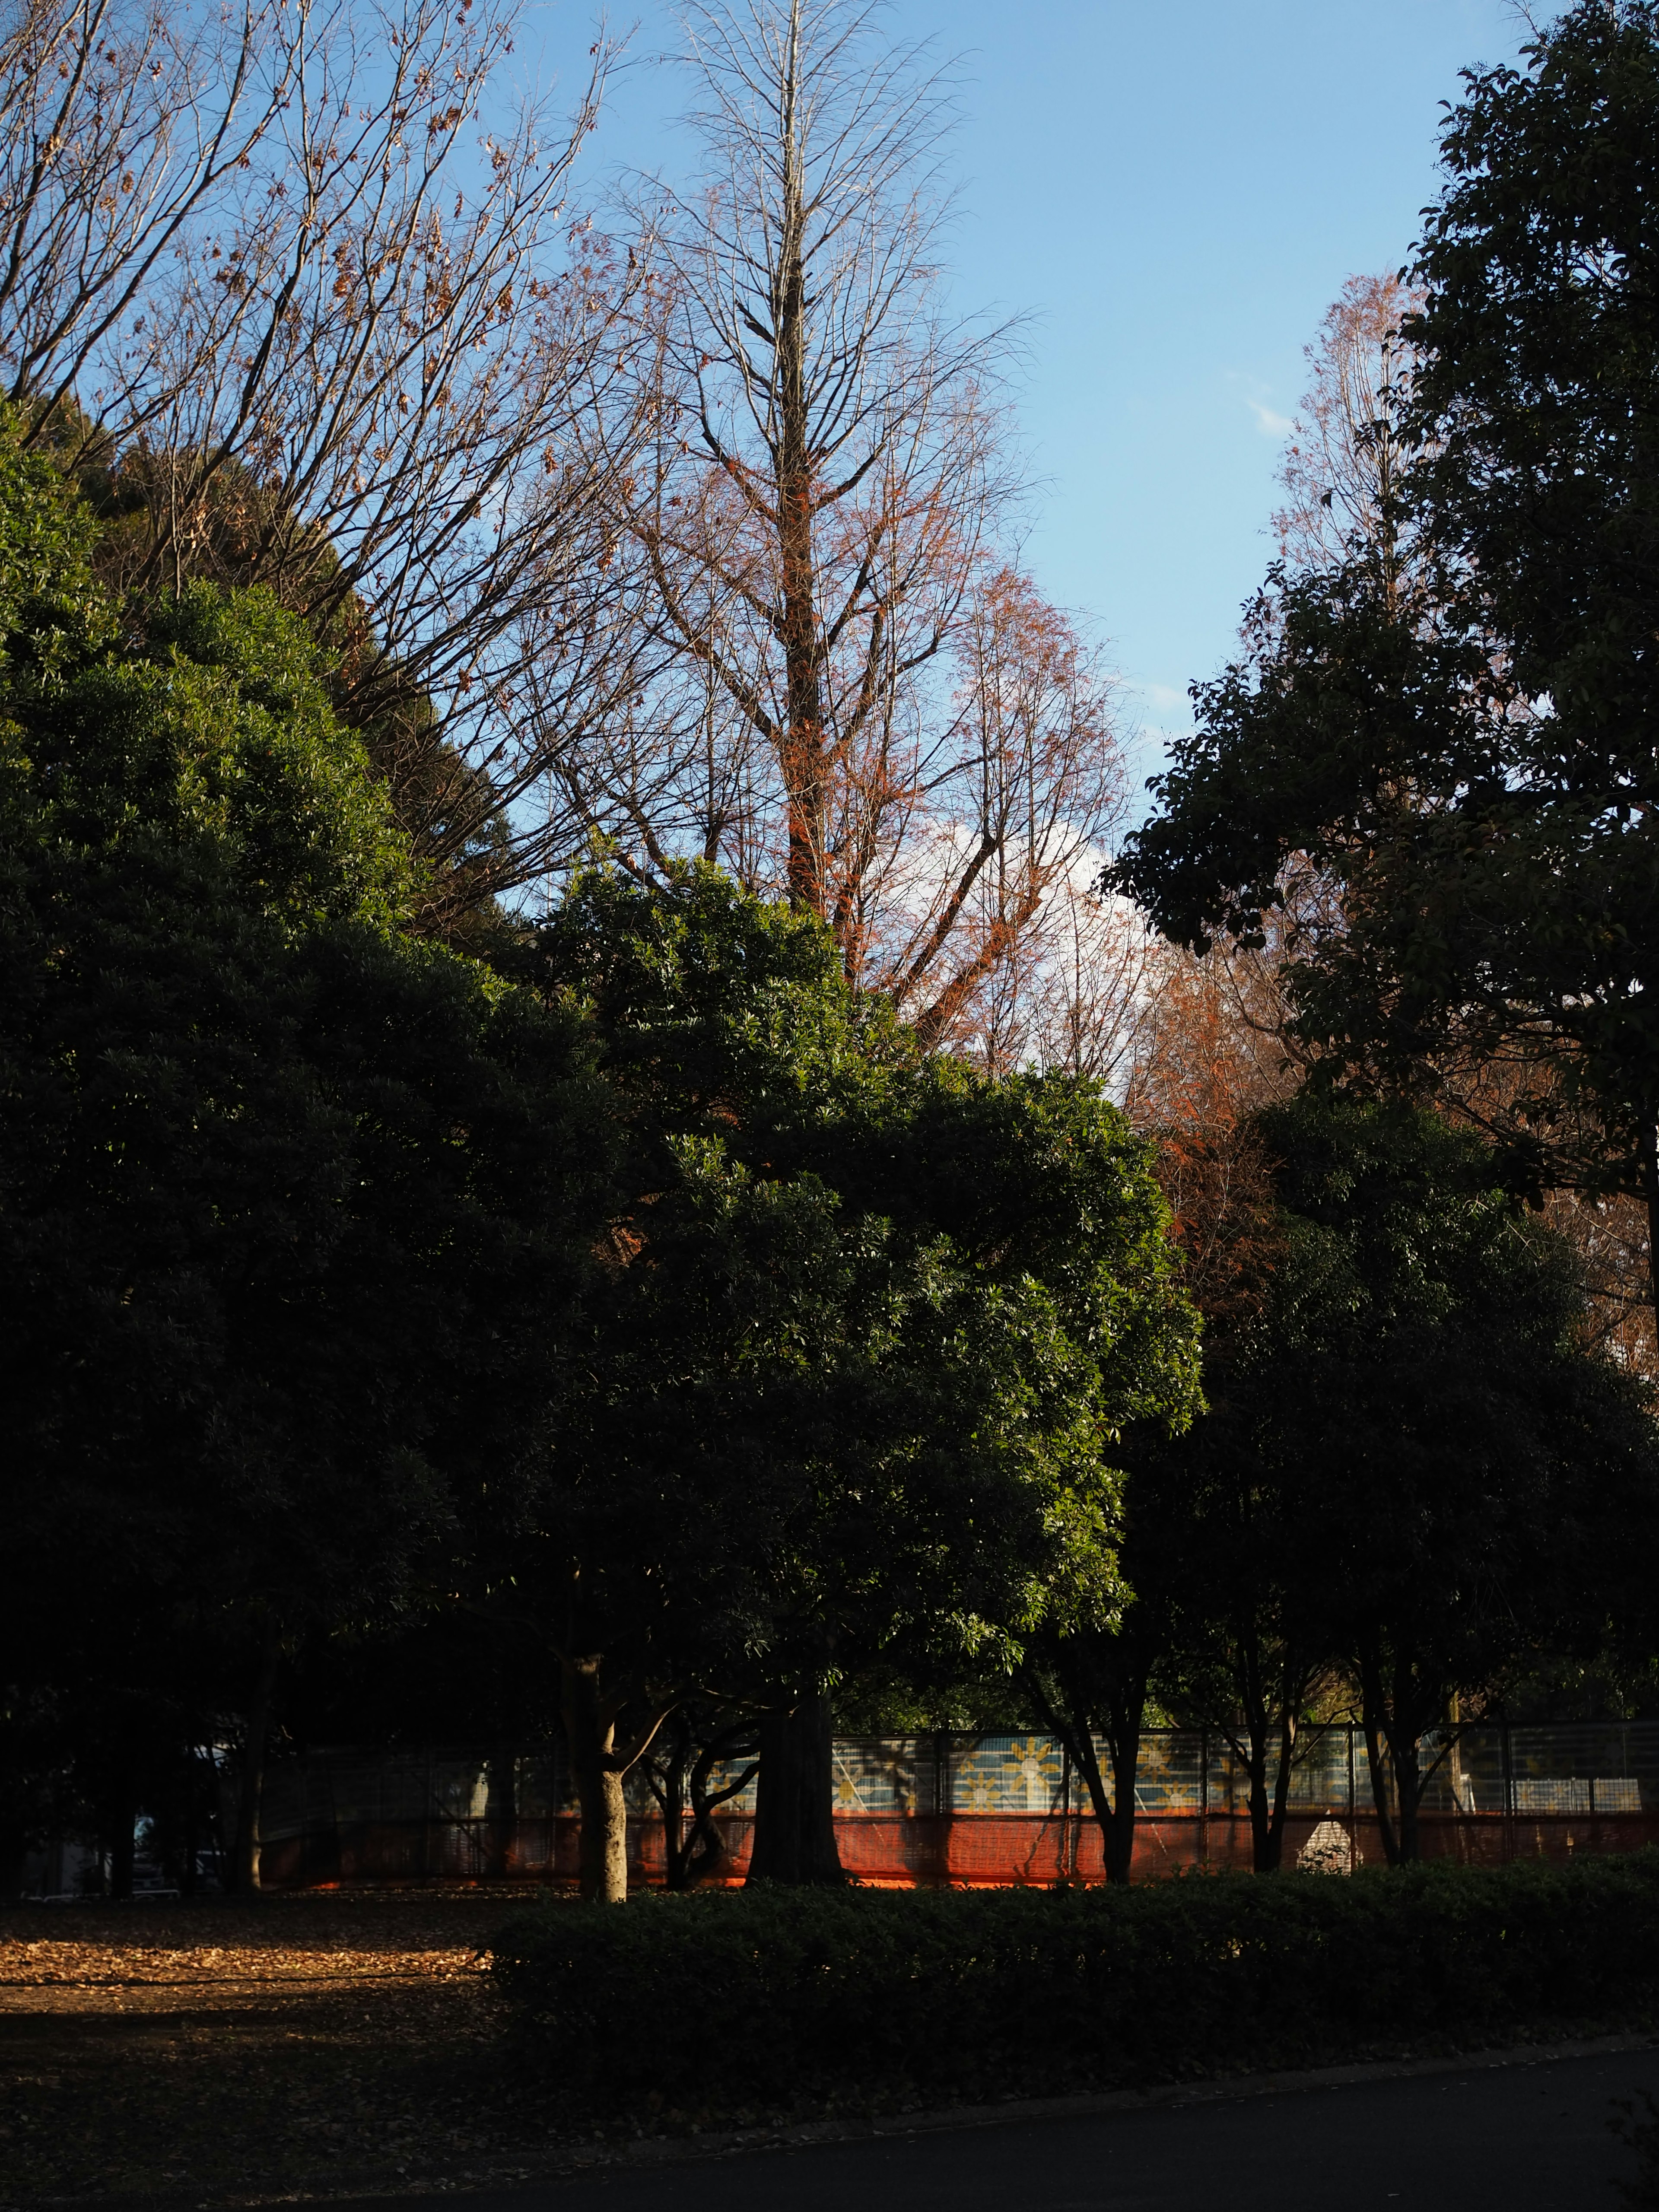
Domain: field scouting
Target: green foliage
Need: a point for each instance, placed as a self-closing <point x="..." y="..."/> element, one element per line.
<point x="719" y="1013"/>
<point x="1415" y="1403"/>
<point x="1412" y="1474"/>
<point x="874" y="1324"/>
<point x="1468" y="758"/>
<point x="47" y="595"/>
<point x="216" y="736"/>
<point x="1534" y="403"/>
<point x="291" y="1208"/>
<point x="950" y="1995"/>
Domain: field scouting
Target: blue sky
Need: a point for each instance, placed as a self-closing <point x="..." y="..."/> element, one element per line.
<point x="1175" y="190"/>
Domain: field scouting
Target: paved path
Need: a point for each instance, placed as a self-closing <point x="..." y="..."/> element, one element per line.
<point x="1525" y="2137"/>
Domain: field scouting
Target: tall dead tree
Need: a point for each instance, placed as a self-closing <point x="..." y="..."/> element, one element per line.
<point x="825" y="453"/>
<point x="849" y="695"/>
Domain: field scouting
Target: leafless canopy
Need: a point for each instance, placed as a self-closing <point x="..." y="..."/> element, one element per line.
<point x="306" y="275"/>
<point x="848" y="693"/>
<point x="1341" y="467"/>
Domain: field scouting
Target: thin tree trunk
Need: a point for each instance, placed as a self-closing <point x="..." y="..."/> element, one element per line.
<point x="1371" y="1692"/>
<point x="1076" y="1734"/>
<point x="253" y="1766"/>
<point x="1255" y="1751"/>
<point x="1123" y="1743"/>
<point x="603" y="1861"/>
<point x="1075" y="1727"/>
<point x="1274" y="1858"/>
<point x="795" y="1802"/>
<point x="705" y="1852"/>
<point x="1649" y="1146"/>
<point x="1409" y="1781"/>
<point x="667" y="1775"/>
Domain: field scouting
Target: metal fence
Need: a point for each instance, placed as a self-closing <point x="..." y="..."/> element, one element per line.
<point x="973" y="1808"/>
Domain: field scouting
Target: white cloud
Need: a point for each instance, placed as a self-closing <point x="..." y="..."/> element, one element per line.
<point x="1268" y="421"/>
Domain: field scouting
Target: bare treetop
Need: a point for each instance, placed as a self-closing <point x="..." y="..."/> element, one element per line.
<point x="1341" y="467"/>
<point x="303" y="281"/>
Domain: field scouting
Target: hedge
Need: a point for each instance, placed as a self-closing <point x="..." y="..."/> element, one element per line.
<point x="734" y="1998"/>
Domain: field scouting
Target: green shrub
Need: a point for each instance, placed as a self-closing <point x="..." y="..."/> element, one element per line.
<point x="733" y="1998"/>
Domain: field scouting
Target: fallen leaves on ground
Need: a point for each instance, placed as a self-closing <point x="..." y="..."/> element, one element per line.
<point x="227" y="2052"/>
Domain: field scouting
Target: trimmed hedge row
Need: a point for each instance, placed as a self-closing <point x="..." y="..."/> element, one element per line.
<point x="735" y="1997"/>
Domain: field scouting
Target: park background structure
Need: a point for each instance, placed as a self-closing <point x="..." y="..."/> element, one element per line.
<point x="970" y="1810"/>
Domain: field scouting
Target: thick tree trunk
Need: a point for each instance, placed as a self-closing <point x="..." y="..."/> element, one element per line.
<point x="1124" y="1746"/>
<point x="802" y="738"/>
<point x="795" y="1800"/>
<point x="603" y="1863"/>
<point x="253" y="1767"/>
<point x="501" y="1813"/>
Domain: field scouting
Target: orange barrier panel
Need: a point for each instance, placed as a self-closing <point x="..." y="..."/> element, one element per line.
<point x="959" y="1849"/>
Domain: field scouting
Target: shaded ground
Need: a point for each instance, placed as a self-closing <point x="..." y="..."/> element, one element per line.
<point x="211" y="2054"/>
<point x="1522" y="2137"/>
<point x="217" y="2051"/>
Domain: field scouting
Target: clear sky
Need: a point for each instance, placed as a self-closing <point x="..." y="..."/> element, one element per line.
<point x="1175" y="190"/>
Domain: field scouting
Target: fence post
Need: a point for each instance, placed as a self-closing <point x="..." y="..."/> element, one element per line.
<point x="428" y="1809"/>
<point x="1203" y="1797"/>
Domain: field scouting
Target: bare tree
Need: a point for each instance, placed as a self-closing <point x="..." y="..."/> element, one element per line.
<point x="343" y="338"/>
<point x="1080" y="993"/>
<point x="969" y="885"/>
<point x="121" y="126"/>
<point x="809" y="371"/>
<point x="849" y="694"/>
<point x="1211" y="1053"/>
<point x="1341" y="468"/>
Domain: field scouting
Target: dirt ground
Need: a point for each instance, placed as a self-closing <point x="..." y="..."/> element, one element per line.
<point x="211" y="2053"/>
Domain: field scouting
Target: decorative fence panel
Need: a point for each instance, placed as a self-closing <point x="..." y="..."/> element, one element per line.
<point x="974" y="1809"/>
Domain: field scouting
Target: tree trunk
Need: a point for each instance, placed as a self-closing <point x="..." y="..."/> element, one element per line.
<point x="1073" y="1725"/>
<point x="253" y="1767"/>
<point x="603" y="1863"/>
<point x="1649" y="1147"/>
<point x="501" y="1813"/>
<point x="1123" y="1743"/>
<point x="795" y="1800"/>
<point x="1273" y="1858"/>
<point x="1416" y="1702"/>
<point x="666" y="1774"/>
<point x="803" y="737"/>
<point x="705" y="1853"/>
<point x="1408" y="1795"/>
<point x="1370" y="1714"/>
<point x="122" y="1847"/>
